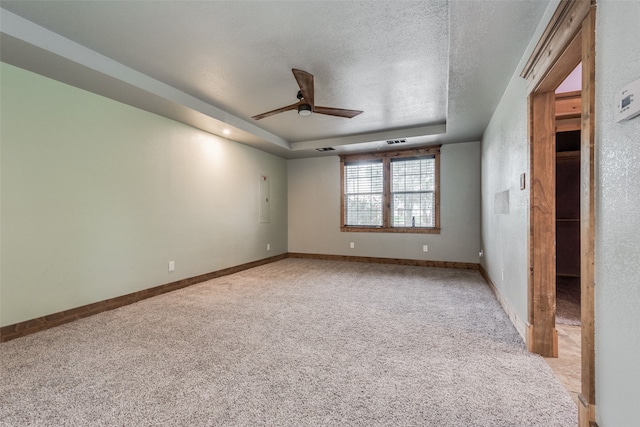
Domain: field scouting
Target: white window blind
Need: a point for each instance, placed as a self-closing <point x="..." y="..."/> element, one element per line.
<point x="413" y="192"/>
<point x="363" y="194"/>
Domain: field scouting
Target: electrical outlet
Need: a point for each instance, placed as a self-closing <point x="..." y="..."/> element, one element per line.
<point x="425" y="248"/>
<point x="503" y="274"/>
<point x="481" y="253"/>
<point x="352" y="245"/>
<point x="172" y="265"/>
<point x="268" y="247"/>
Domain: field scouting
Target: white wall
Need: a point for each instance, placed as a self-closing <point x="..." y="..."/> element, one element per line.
<point x="314" y="212"/>
<point x="98" y="196"/>
<point x="617" y="260"/>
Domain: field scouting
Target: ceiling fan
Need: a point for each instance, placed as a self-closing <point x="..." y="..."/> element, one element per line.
<point x="305" y="104"/>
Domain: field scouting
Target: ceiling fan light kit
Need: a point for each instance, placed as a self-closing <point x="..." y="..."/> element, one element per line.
<point x="305" y="104"/>
<point x="304" y="109"/>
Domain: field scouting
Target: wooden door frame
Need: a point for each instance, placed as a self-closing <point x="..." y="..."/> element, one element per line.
<point x="568" y="40"/>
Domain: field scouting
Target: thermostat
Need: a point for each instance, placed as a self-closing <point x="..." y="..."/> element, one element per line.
<point x="628" y="102"/>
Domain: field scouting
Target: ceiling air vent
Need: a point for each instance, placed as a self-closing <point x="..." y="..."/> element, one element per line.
<point x="326" y="149"/>
<point x="396" y="141"/>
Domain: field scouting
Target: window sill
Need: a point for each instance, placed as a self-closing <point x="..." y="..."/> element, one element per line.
<point x="413" y="230"/>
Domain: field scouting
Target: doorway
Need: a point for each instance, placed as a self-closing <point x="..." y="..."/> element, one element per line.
<point x="568" y="40"/>
<point x="568" y="228"/>
<point x="568" y="114"/>
<point x="567" y="366"/>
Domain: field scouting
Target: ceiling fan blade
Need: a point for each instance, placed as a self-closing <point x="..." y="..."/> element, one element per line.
<point x="305" y="81"/>
<point x="339" y="112"/>
<point x="279" y="110"/>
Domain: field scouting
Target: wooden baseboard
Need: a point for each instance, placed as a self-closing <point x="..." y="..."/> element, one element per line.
<point x="586" y="413"/>
<point x="517" y="322"/>
<point x="28" y="327"/>
<point x="396" y="261"/>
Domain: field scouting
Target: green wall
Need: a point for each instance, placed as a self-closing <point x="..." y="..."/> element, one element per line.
<point x="504" y="230"/>
<point x="314" y="212"/>
<point x="617" y="252"/>
<point x="97" y="197"/>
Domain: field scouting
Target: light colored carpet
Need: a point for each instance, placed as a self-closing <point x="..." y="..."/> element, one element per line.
<point x="293" y="343"/>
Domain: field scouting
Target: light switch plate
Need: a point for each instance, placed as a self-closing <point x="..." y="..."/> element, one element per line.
<point x="628" y="102"/>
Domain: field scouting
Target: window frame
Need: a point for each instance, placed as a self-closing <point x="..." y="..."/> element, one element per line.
<point x="386" y="157"/>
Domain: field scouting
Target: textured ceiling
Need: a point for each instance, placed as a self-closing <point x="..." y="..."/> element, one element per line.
<point x="428" y="71"/>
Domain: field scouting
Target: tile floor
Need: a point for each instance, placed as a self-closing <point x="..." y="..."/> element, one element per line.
<point x="567" y="366"/>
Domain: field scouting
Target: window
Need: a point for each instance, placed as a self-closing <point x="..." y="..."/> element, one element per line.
<point x="394" y="191"/>
<point x="363" y="193"/>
